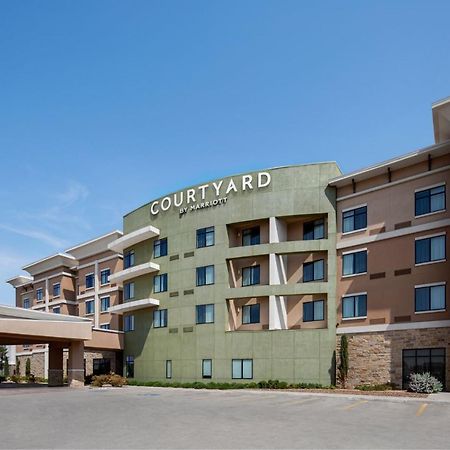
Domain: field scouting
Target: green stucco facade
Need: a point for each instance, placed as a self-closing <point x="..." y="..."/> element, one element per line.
<point x="292" y="355"/>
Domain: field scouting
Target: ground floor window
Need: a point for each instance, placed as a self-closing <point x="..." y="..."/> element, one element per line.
<point x="129" y="367"/>
<point x="242" y="369"/>
<point x="101" y="366"/>
<point x="207" y="368"/>
<point x="169" y="368"/>
<point x="424" y="360"/>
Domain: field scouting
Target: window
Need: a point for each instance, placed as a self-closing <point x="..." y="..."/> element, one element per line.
<point x="205" y="237"/>
<point x="128" y="323"/>
<point x="90" y="306"/>
<point x="251" y="236"/>
<point x="430" y="298"/>
<point x="242" y="369"/>
<point x="354" y="219"/>
<point x="129" y="366"/>
<point x="313" y="311"/>
<point x="205" y="314"/>
<point x="56" y="310"/>
<point x="160" y="318"/>
<point x="105" y="326"/>
<point x="26" y="303"/>
<point x="90" y="280"/>
<point x="104" y="304"/>
<point x="56" y="289"/>
<point x="128" y="259"/>
<point x="168" y="368"/>
<point x="430" y="360"/>
<point x="205" y="275"/>
<point x="101" y="366"/>
<point x="314" y="230"/>
<point x="354" y="263"/>
<point x="313" y="271"/>
<point x="206" y="368"/>
<point x="354" y="306"/>
<point x="128" y="291"/>
<point x="430" y="249"/>
<point x="430" y="200"/>
<point x="104" y="276"/>
<point x="39" y="296"/>
<point x="160" y="283"/>
<point x="250" y="275"/>
<point x="250" y="314"/>
<point x="160" y="248"/>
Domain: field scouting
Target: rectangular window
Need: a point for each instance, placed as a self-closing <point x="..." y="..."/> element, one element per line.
<point x="242" y="369"/>
<point x="160" y="318"/>
<point x="313" y="311"/>
<point x="430" y="200"/>
<point x="205" y="314"/>
<point x="251" y="236"/>
<point x="250" y="314"/>
<point x="104" y="276"/>
<point x="128" y="323"/>
<point x="56" y="289"/>
<point x="314" y="230"/>
<point x="205" y="275"/>
<point x="354" y="263"/>
<point x="101" y="366"/>
<point x="128" y="259"/>
<point x="56" y="310"/>
<point x="90" y="280"/>
<point x="26" y="303"/>
<point x="430" y="298"/>
<point x="313" y="271"/>
<point x="250" y="275"/>
<point x="205" y="237"/>
<point x="354" y="219"/>
<point x="160" y="248"/>
<point x="354" y="306"/>
<point x="129" y="367"/>
<point x="160" y="283"/>
<point x="423" y="360"/>
<point x="430" y="249"/>
<point x="206" y="368"/>
<point x="105" y="326"/>
<point x="90" y="306"/>
<point x="104" y="304"/>
<point x="39" y="295"/>
<point x="169" y="368"/>
<point x="128" y="291"/>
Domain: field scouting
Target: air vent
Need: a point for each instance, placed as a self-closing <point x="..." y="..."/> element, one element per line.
<point x="188" y="292"/>
<point x="265" y="327"/>
<point x="173" y="330"/>
<point x="375" y="276"/>
<point x="400" y="225"/>
<point x="189" y="254"/>
<point x="174" y="257"/>
<point x="400" y="272"/>
<point x="377" y="321"/>
<point x="402" y="318"/>
<point x="188" y="329"/>
<point x="377" y="231"/>
<point x="173" y="294"/>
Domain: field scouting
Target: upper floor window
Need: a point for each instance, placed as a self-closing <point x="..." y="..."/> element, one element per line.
<point x="128" y="290"/>
<point x="56" y="289"/>
<point x="205" y="237"/>
<point x="26" y="303"/>
<point x="160" y="283"/>
<point x="354" y="306"/>
<point x="250" y="275"/>
<point x="430" y="200"/>
<point x="39" y="294"/>
<point x="251" y="236"/>
<point x="104" y="304"/>
<point x="313" y="311"/>
<point x="105" y="326"/>
<point x="104" y="276"/>
<point x="205" y="275"/>
<point x="430" y="249"/>
<point x="430" y="298"/>
<point x="251" y="314"/>
<point x="314" y="230"/>
<point x="242" y="369"/>
<point x="314" y="271"/>
<point x="128" y="259"/>
<point x="205" y="314"/>
<point x="90" y="280"/>
<point x="160" y="248"/>
<point x="354" y="263"/>
<point x="354" y="219"/>
<point x="90" y="306"/>
<point x="160" y="318"/>
<point x="128" y="323"/>
<point x="56" y="310"/>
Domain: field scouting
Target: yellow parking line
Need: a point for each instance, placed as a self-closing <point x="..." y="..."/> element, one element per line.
<point x="354" y="405"/>
<point x="421" y="409"/>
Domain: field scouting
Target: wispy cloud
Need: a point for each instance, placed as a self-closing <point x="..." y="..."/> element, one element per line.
<point x="75" y="192"/>
<point x="42" y="236"/>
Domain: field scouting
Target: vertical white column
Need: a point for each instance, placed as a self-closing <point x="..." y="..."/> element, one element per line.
<point x="46" y="361"/>
<point x="96" y="296"/>
<point x="46" y="295"/>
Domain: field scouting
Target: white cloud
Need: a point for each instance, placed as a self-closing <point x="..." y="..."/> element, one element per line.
<point x="42" y="236"/>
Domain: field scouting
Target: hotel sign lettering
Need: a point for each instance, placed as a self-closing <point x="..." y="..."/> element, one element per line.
<point x="194" y="199"/>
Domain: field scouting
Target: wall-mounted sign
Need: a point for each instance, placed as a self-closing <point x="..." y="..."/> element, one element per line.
<point x="195" y="198"/>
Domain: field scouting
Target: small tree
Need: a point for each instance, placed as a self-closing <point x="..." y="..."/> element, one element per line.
<point x="28" y="367"/>
<point x="18" y="367"/>
<point x="4" y="361"/>
<point x="343" y="365"/>
<point x="6" y="367"/>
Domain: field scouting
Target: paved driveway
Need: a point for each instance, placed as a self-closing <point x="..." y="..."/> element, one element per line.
<point x="138" y="417"/>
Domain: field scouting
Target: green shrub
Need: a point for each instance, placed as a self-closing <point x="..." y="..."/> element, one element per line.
<point x="15" y="378"/>
<point x="343" y="366"/>
<point x="424" y="383"/>
<point x="376" y="387"/>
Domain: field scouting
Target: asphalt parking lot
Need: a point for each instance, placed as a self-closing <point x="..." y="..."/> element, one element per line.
<point x="139" y="417"/>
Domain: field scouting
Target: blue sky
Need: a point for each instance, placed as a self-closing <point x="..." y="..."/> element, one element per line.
<point x="105" y="105"/>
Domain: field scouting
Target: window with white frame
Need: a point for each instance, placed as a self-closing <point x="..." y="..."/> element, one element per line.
<point x="56" y="310"/>
<point x="105" y="326"/>
<point x="354" y="263"/>
<point x="90" y="280"/>
<point x="104" y="303"/>
<point x="354" y="219"/>
<point x="430" y="298"/>
<point x="430" y="249"/>
<point x="39" y="294"/>
<point x="90" y="306"/>
<point x="104" y="276"/>
<point x="56" y="289"/>
<point x="354" y="306"/>
<point x="430" y="200"/>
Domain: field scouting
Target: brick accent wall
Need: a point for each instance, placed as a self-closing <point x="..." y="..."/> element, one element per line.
<point x="376" y="358"/>
<point x="37" y="364"/>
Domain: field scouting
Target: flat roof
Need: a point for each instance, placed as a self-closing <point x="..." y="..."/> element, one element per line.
<point x="49" y="263"/>
<point x="94" y="246"/>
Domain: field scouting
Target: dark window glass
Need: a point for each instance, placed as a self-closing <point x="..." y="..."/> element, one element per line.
<point x="313" y="271"/>
<point x="101" y="366"/>
<point x="160" y="248"/>
<point x="128" y="323"/>
<point x="90" y="280"/>
<point x="430" y="200"/>
<point x="314" y="230"/>
<point x="129" y="367"/>
<point x="430" y="249"/>
<point x="424" y="360"/>
<point x="251" y="314"/>
<point x="430" y="298"/>
<point x="39" y="295"/>
<point x="205" y="275"/>
<point x="104" y="304"/>
<point x="250" y="275"/>
<point x="160" y="283"/>
<point x="205" y="313"/>
<point x="128" y="289"/>
<point x="205" y="237"/>
<point x="354" y="306"/>
<point x="354" y="263"/>
<point x="56" y="290"/>
<point x="128" y="259"/>
<point x="354" y="219"/>
<point x="313" y="311"/>
<point x="104" y="276"/>
<point x="90" y="306"/>
<point x="160" y="318"/>
<point x="251" y="236"/>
